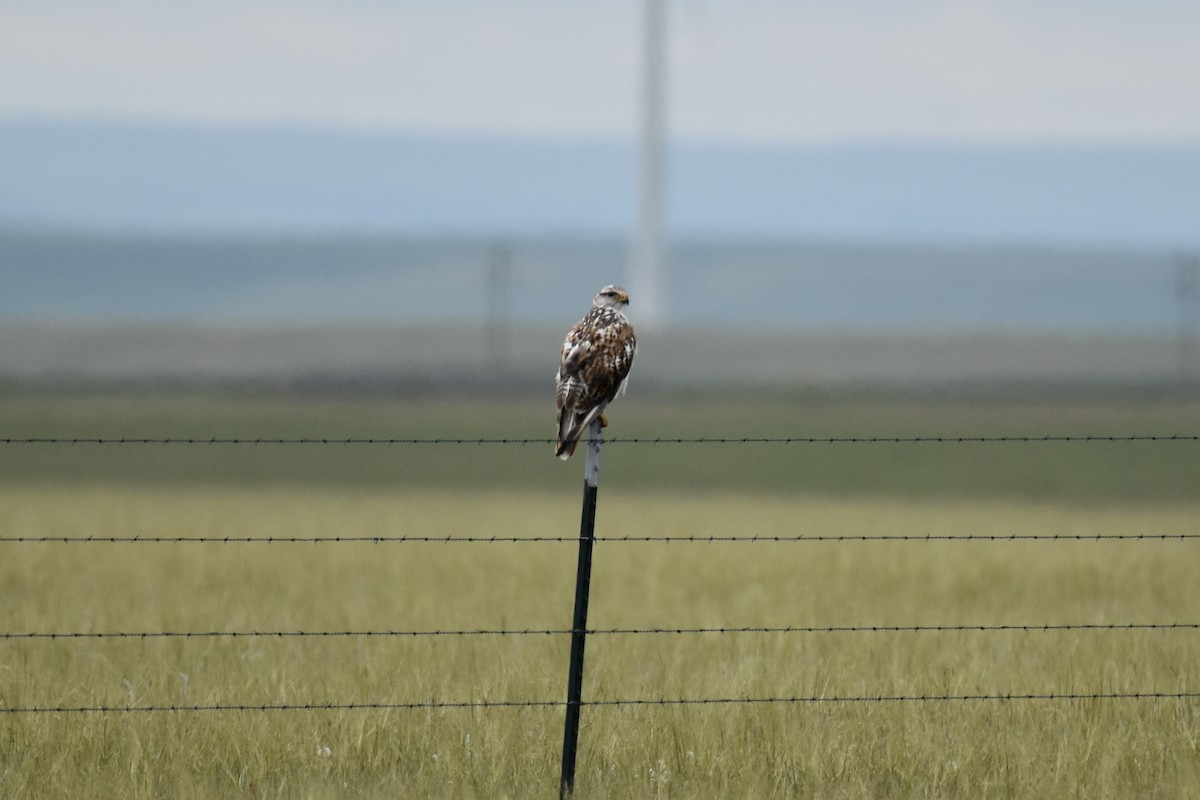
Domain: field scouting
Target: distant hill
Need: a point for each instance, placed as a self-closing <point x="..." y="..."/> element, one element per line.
<point x="178" y="178"/>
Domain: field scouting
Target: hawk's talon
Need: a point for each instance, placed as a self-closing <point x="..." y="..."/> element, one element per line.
<point x="603" y="420"/>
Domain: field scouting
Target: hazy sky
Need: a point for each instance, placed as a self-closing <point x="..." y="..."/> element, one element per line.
<point x="780" y="70"/>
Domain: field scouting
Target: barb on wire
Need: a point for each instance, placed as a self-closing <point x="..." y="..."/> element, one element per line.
<point x="634" y="538"/>
<point x="664" y="701"/>
<point x="286" y="634"/>
<point x="657" y="440"/>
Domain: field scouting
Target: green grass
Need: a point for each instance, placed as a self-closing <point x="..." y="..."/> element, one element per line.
<point x="1082" y="748"/>
<point x="985" y="748"/>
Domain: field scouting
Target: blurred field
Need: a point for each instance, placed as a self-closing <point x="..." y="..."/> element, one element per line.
<point x="1116" y="748"/>
<point x="1072" y="471"/>
<point x="412" y="358"/>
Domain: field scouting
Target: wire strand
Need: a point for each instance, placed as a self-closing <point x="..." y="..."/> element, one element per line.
<point x="283" y="634"/>
<point x="887" y="537"/>
<point x="700" y="701"/>
<point x="657" y="440"/>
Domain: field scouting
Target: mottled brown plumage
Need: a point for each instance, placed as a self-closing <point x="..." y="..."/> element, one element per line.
<point x="596" y="358"/>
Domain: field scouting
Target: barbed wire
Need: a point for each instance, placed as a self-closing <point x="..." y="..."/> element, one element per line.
<point x="655" y="440"/>
<point x="284" y="634"/>
<point x="556" y="704"/>
<point x="664" y="701"/>
<point x="633" y="538"/>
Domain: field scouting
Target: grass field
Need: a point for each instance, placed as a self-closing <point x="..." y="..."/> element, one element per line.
<point x="981" y="748"/>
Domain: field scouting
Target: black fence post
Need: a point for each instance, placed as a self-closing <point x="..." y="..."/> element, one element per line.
<point x="583" y="579"/>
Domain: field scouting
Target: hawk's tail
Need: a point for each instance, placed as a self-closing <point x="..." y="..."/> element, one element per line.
<point x="565" y="450"/>
<point x="568" y="434"/>
<point x="570" y="427"/>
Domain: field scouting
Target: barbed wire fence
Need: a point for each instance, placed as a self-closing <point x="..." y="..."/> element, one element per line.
<point x="578" y="632"/>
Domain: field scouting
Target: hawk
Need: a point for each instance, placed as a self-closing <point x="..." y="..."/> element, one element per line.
<point x="596" y="357"/>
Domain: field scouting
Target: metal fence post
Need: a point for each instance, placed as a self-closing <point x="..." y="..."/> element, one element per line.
<point x="583" y="579"/>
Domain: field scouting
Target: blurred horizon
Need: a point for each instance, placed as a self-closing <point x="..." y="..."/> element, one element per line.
<point x="404" y="315"/>
<point x="133" y="178"/>
<point x="354" y="278"/>
<point x="920" y="122"/>
<point x="1012" y="177"/>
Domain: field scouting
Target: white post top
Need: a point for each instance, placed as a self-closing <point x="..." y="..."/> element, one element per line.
<point x="591" y="471"/>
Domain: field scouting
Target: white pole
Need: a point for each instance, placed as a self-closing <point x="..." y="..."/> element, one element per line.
<point x="647" y="256"/>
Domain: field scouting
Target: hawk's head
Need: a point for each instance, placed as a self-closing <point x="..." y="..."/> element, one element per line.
<point x="611" y="295"/>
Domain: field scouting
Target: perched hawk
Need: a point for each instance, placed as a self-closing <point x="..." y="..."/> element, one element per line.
<point x="595" y="362"/>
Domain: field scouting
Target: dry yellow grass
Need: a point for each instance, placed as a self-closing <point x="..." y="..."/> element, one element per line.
<point x="1026" y="748"/>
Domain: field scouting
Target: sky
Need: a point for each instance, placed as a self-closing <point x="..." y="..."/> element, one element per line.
<point x="741" y="71"/>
